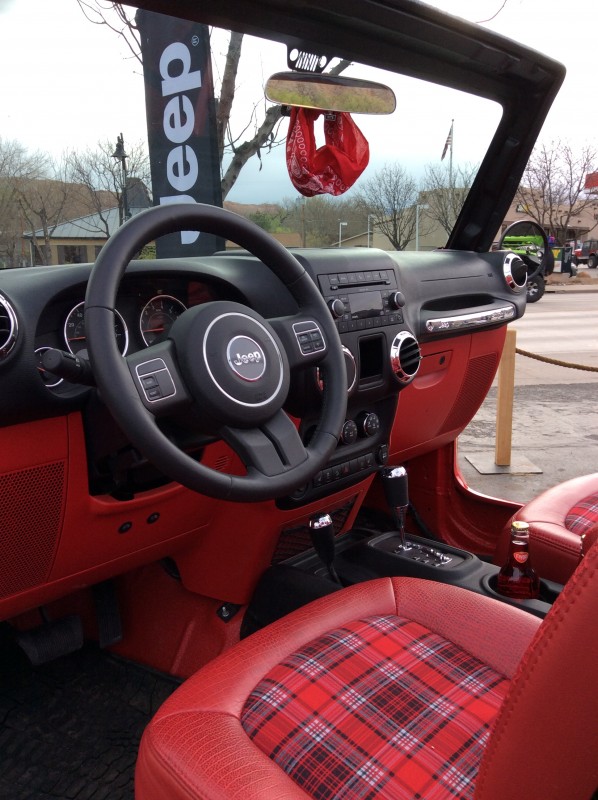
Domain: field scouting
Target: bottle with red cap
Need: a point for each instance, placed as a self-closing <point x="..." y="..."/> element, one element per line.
<point x="517" y="578"/>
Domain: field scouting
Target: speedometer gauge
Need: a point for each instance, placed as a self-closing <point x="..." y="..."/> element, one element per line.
<point x="157" y="317"/>
<point x="76" y="338"/>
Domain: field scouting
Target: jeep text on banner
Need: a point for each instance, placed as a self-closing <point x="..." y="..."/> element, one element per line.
<point x="181" y="123"/>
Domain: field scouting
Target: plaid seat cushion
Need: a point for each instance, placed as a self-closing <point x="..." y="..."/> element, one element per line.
<point x="381" y="708"/>
<point x="583" y="515"/>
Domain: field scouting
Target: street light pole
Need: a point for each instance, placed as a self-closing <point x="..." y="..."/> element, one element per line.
<point x="370" y="230"/>
<point x="417" y="208"/>
<point x="120" y="155"/>
<point x="341" y="225"/>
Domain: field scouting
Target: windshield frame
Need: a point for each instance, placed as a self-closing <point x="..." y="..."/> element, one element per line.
<point x="403" y="36"/>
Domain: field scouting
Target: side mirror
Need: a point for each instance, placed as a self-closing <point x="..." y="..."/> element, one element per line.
<point x="529" y="240"/>
<point x="330" y="93"/>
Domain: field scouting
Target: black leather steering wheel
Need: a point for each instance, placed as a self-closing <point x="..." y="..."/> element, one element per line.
<point x="222" y="361"/>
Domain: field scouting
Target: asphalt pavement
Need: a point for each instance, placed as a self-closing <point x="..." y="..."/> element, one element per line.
<point x="554" y="433"/>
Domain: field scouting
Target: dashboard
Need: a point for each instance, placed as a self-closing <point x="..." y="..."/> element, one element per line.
<point x="422" y="335"/>
<point x="392" y="312"/>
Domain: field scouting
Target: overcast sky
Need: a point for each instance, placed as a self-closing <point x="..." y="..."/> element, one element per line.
<point x="50" y="103"/>
<point x="561" y="29"/>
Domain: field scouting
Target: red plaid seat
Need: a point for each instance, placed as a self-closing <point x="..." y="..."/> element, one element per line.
<point x="380" y="708"/>
<point x="390" y="689"/>
<point x="583" y="515"/>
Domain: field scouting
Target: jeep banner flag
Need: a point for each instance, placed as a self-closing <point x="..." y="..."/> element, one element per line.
<point x="591" y="181"/>
<point x="181" y="123"/>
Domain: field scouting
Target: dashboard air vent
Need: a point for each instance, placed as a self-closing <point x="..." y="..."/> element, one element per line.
<point x="8" y="328"/>
<point x="515" y="272"/>
<point x="405" y="357"/>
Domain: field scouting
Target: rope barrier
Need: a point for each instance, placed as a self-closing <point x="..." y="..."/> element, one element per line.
<point x="555" y="361"/>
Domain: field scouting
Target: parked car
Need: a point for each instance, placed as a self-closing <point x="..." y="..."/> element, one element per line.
<point x="587" y="253"/>
<point x="205" y="452"/>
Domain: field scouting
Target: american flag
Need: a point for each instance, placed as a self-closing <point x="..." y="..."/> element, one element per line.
<point x="448" y="143"/>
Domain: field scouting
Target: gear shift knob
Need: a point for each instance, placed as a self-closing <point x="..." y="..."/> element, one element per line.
<point x="396" y="491"/>
<point x="396" y="486"/>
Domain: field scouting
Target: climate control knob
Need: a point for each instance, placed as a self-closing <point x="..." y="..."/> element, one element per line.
<point x="349" y="432"/>
<point x="368" y="423"/>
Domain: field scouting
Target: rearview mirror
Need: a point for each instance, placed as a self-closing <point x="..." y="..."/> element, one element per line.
<point x="330" y="93"/>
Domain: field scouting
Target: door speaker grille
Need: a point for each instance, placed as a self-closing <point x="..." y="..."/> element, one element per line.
<point x="479" y="375"/>
<point x="31" y="502"/>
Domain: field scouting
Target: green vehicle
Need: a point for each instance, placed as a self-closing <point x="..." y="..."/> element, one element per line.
<point x="531" y="243"/>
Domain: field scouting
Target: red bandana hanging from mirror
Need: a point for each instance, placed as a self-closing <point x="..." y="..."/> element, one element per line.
<point x="332" y="168"/>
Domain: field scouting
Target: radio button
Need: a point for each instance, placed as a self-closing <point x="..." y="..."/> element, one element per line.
<point x="397" y="300"/>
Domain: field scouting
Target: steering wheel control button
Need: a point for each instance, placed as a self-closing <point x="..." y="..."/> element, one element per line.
<point x="155" y="379"/>
<point x="309" y="338"/>
<point x="246" y="358"/>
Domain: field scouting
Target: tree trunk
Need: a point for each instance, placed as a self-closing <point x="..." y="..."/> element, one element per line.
<point x="227" y="90"/>
<point x="244" y="152"/>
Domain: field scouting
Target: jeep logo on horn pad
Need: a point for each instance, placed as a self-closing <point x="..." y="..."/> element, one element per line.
<point x="246" y="358"/>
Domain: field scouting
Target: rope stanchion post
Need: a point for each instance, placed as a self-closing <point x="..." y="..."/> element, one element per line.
<point x="504" y="401"/>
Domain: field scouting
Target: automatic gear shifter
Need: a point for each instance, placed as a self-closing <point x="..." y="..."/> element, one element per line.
<point x="394" y="481"/>
<point x="396" y="491"/>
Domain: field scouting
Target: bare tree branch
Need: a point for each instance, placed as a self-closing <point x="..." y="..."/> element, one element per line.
<point x="116" y="17"/>
<point x="552" y="187"/>
<point x="227" y="89"/>
<point x="42" y="202"/>
<point x="99" y="13"/>
<point x="444" y="191"/>
<point x="391" y="196"/>
<point x="99" y="178"/>
<point x="19" y="171"/>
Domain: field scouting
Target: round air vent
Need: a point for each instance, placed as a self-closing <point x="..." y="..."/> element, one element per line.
<point x="351" y="371"/>
<point x="515" y="272"/>
<point x="8" y="328"/>
<point x="405" y="357"/>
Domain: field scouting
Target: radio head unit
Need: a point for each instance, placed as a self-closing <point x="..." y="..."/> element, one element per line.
<point x="362" y="300"/>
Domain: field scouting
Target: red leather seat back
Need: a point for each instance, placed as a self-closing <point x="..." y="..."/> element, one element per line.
<point x="545" y="740"/>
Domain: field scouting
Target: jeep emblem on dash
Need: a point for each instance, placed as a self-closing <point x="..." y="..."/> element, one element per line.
<point x="246" y="358"/>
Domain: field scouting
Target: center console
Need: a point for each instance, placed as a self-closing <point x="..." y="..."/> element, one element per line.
<point x="382" y="355"/>
<point x="361" y="555"/>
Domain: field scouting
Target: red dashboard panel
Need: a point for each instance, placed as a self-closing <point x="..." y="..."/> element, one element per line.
<point x="452" y="382"/>
<point x="55" y="537"/>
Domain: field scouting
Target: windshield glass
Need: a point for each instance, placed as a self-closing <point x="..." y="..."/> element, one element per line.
<point x="76" y="159"/>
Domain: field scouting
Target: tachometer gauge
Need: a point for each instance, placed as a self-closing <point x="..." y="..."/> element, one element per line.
<point x="157" y="317"/>
<point x="76" y="338"/>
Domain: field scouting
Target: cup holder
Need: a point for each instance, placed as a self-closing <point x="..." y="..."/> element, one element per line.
<point x="549" y="591"/>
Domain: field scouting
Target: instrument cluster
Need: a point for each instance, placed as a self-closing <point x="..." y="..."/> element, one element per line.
<point x="146" y="310"/>
<point x="154" y="323"/>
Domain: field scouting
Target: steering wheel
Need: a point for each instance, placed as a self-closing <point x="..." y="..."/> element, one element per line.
<point x="221" y="360"/>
